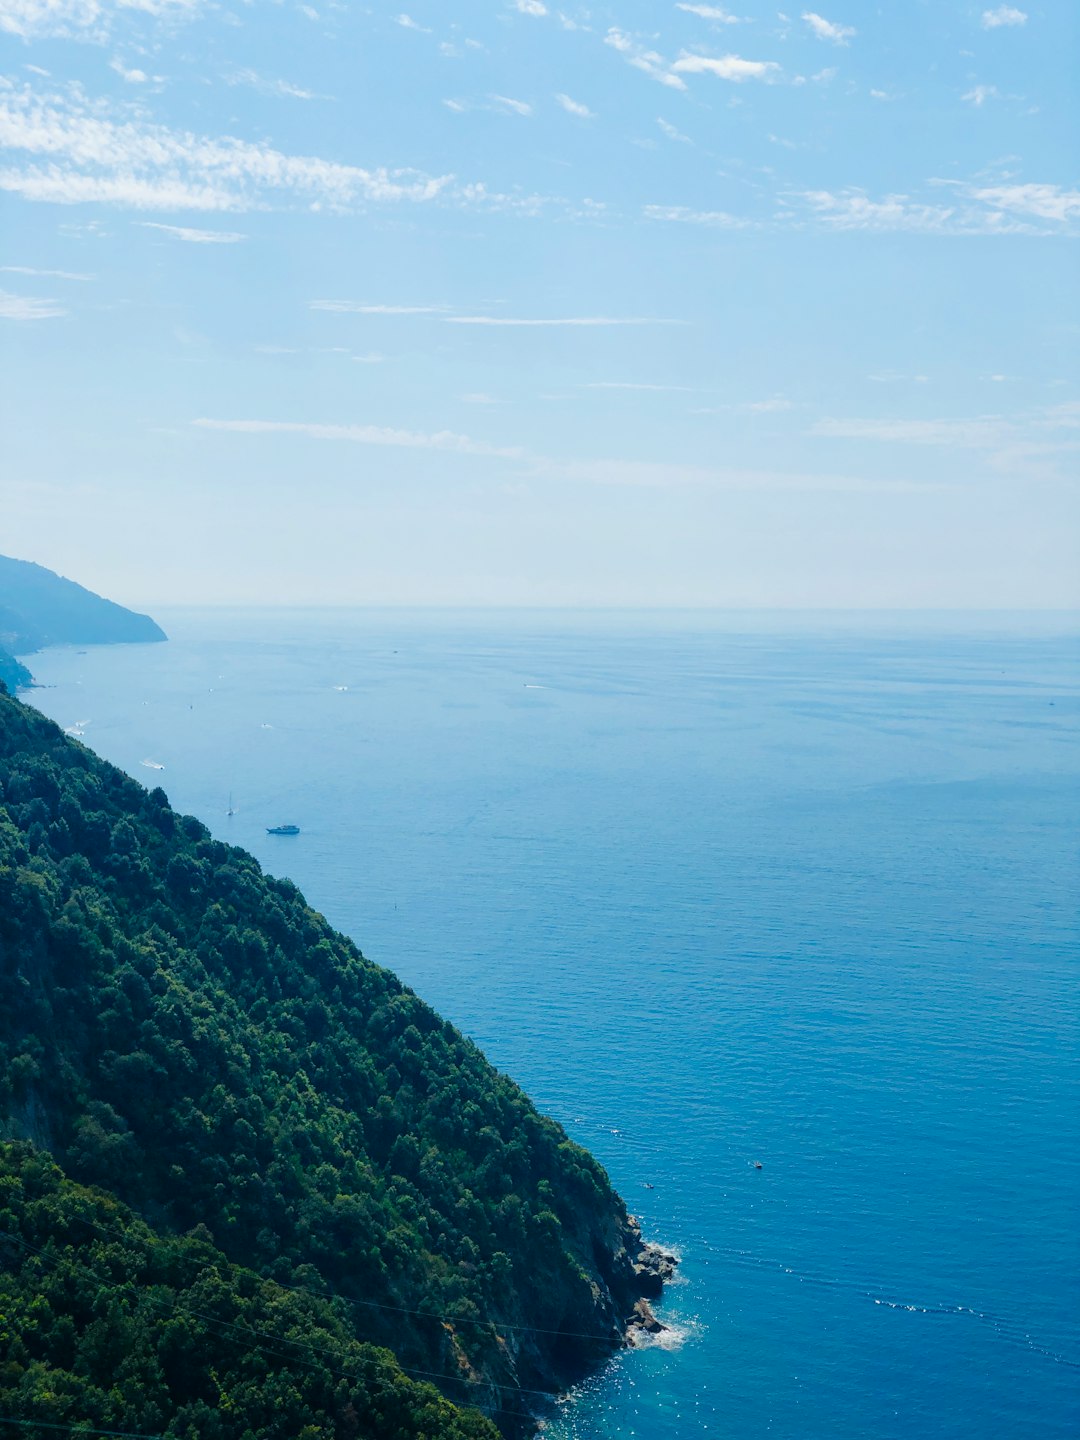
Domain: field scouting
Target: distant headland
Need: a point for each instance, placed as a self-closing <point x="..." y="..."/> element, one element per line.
<point x="39" y="608"/>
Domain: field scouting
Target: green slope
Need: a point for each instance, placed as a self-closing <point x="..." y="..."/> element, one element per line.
<point x="105" y="1324"/>
<point x="185" y="1032"/>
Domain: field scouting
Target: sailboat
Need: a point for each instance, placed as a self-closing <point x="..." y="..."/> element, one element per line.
<point x="231" y="810"/>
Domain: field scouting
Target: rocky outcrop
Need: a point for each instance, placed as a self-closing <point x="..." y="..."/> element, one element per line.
<point x="642" y="1325"/>
<point x="653" y="1267"/>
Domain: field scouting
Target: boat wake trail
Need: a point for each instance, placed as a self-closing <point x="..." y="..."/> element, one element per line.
<point x="1005" y="1329"/>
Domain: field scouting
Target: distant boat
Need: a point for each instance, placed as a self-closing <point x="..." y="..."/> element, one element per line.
<point x="231" y="810"/>
<point x="283" y="829"/>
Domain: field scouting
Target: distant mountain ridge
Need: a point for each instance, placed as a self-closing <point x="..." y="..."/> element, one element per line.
<point x="39" y="608"/>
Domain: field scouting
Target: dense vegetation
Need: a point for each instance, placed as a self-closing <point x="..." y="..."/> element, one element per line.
<point x="39" y="607"/>
<point x="107" y="1324"/>
<point x="186" y="1033"/>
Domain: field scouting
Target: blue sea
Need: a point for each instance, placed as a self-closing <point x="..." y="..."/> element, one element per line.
<point x="717" y="890"/>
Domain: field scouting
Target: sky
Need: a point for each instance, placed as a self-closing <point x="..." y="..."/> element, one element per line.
<point x="509" y="302"/>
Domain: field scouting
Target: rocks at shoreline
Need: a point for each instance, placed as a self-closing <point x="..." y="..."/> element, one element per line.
<point x="653" y="1267"/>
<point x="642" y="1324"/>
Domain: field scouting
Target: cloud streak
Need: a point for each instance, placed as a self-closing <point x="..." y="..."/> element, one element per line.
<point x="710" y="12"/>
<point x="83" y="154"/>
<point x="637" y="474"/>
<point x="445" y="440"/>
<point x="829" y="29"/>
<point x="642" y="58"/>
<point x="359" y="307"/>
<point x="89" y="19"/>
<point x="28" y="307"/>
<point x="195" y="237"/>
<point x="1009" y="209"/>
<point x="581" y="321"/>
<point x="725" y="67"/>
<point x="574" y="107"/>
<point x="684" y="215"/>
<point x="51" y="274"/>
<point x="983" y="432"/>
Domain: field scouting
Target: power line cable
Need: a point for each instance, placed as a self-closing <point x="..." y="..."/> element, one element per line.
<point x="247" y="1334"/>
<point x="445" y="1318"/>
<point x="78" y="1428"/>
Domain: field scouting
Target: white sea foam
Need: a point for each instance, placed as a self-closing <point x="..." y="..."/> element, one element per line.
<point x="673" y="1337"/>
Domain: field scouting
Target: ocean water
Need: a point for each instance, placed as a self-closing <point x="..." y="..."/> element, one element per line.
<point x="716" y="890"/>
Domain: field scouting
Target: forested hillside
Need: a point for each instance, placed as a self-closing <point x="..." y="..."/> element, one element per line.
<point x="186" y="1033"/>
<point x="107" y="1324"/>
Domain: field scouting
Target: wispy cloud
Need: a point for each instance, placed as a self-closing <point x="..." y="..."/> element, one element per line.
<point x="710" y="12"/>
<point x="725" y="67"/>
<point x="445" y="440"/>
<point x="979" y="94"/>
<point x="671" y="132"/>
<point x="265" y="86"/>
<point x="1030" y="446"/>
<point x="854" y="210"/>
<point x="1015" y="209"/>
<point x="195" y="237"/>
<point x="41" y="19"/>
<point x="442" y="312"/>
<point x="1043" y="202"/>
<point x="828" y="29"/>
<point x="643" y="58"/>
<point x="408" y="23"/>
<point x="575" y="107"/>
<point x="980" y="433"/>
<point x="638" y="385"/>
<point x="652" y="474"/>
<point x="359" y="307"/>
<point x="684" y="215"/>
<point x="89" y="156"/>
<point x="585" y="321"/>
<point x="511" y="106"/>
<point x="531" y="7"/>
<point x="671" y="474"/>
<point x="132" y="76"/>
<point x="28" y="307"/>
<point x="1003" y="15"/>
<point x="51" y="274"/>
